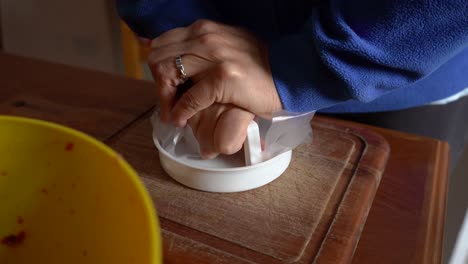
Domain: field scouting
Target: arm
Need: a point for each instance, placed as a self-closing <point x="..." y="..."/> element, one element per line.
<point x="361" y="50"/>
<point x="150" y="18"/>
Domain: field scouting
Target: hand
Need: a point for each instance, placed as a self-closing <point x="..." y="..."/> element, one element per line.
<point x="227" y="65"/>
<point x="220" y="128"/>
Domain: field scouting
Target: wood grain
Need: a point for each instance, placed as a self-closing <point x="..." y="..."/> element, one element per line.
<point x="406" y="221"/>
<point x="404" y="225"/>
<point x="97" y="103"/>
<point x="314" y="212"/>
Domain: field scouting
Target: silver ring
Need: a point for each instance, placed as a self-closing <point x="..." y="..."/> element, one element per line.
<point x="178" y="62"/>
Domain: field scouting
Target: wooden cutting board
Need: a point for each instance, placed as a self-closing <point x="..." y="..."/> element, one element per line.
<point x="313" y="213"/>
<point x="404" y="225"/>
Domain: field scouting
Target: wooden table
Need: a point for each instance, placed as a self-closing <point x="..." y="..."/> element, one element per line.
<point x="404" y="225"/>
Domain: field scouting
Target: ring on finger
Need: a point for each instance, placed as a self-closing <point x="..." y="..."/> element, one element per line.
<point x="180" y="66"/>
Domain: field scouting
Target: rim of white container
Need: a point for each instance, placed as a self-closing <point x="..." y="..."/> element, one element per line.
<point x="261" y="164"/>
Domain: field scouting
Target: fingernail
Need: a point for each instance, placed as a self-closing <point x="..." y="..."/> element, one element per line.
<point x="179" y="123"/>
<point x="209" y="155"/>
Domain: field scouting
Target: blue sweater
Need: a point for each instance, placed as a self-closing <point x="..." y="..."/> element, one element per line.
<point x="338" y="56"/>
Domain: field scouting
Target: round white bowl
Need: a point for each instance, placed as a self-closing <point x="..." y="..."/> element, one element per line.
<point x="223" y="174"/>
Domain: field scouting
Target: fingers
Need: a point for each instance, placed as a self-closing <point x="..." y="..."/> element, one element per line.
<point x="203" y="125"/>
<point x="211" y="47"/>
<point x="194" y="122"/>
<point x="203" y="38"/>
<point x="220" y="129"/>
<point x="182" y="34"/>
<point x="231" y="130"/>
<point x="165" y="88"/>
<point x="206" y="130"/>
<point x="168" y="71"/>
<point x="169" y="37"/>
<point x="226" y="65"/>
<point x="167" y="77"/>
<point x="213" y="87"/>
<point x="197" y="98"/>
<point x="199" y="27"/>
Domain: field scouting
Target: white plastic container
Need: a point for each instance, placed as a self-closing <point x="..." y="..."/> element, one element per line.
<point x="223" y="174"/>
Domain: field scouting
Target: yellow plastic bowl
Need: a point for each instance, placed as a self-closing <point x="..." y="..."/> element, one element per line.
<point x="67" y="198"/>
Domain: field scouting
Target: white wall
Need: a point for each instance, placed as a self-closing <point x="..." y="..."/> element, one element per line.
<point x="80" y="33"/>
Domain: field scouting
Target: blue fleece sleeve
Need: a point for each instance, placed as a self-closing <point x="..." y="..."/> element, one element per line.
<point x="150" y="18"/>
<point x="361" y="50"/>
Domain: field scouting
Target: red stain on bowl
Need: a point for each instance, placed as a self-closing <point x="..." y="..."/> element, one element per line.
<point x="3" y="173"/>
<point x="69" y="146"/>
<point x="84" y="253"/>
<point x="19" y="220"/>
<point x="14" y="240"/>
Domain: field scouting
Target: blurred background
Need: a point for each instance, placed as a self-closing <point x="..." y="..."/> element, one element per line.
<point x="81" y="33"/>
<point x="87" y="33"/>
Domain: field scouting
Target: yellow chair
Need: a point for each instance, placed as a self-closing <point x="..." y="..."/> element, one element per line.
<point x="134" y="54"/>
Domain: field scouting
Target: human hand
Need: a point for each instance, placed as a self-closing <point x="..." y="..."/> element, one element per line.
<point x="220" y="128"/>
<point x="226" y="64"/>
